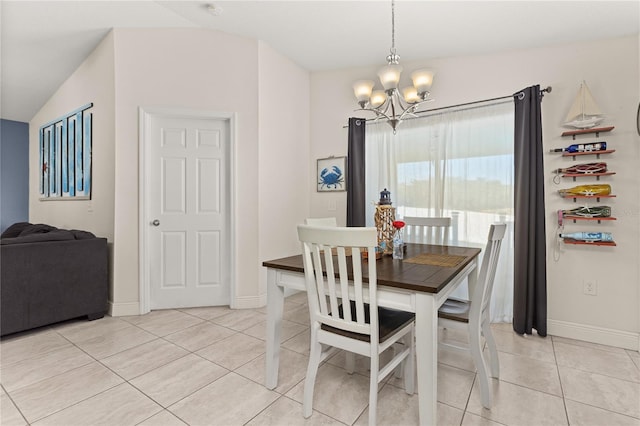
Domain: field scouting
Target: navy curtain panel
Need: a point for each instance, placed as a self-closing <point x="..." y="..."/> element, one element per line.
<point x="356" y="215"/>
<point x="530" y="273"/>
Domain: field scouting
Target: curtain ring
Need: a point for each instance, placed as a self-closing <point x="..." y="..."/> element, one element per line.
<point x="520" y="96"/>
<point x="358" y="122"/>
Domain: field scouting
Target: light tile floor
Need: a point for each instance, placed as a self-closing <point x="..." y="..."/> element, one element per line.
<point x="205" y="366"/>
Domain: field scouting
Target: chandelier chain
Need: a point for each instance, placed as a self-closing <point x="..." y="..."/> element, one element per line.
<point x="393" y="28"/>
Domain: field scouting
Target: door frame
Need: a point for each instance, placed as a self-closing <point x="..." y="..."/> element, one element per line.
<point x="144" y="115"/>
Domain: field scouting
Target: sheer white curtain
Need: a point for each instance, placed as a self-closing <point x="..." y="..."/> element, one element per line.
<point x="457" y="164"/>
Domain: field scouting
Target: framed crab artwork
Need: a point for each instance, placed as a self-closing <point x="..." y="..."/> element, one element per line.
<point x="332" y="174"/>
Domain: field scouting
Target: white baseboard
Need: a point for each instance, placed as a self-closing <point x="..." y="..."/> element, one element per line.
<point x="124" y="309"/>
<point x="133" y="308"/>
<point x="290" y="291"/>
<point x="249" y="302"/>
<point x="589" y="333"/>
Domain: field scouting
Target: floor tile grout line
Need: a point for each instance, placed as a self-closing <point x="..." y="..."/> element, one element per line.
<point x="588" y="345"/>
<point x="152" y="415"/>
<point x="94" y="359"/>
<point x="564" y="401"/>
<point x="599" y="374"/>
<point x="603" y="409"/>
<point x="466" y="405"/>
<point x="185" y="396"/>
<point x="14" y="404"/>
<point x="264" y="409"/>
<point x="565" y="398"/>
<point x="117" y="374"/>
<point x="78" y="402"/>
<point x="324" y="414"/>
<point x="163" y="338"/>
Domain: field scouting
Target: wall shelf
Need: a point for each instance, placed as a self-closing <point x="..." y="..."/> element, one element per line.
<point x="599" y="219"/>
<point x="596" y="153"/>
<point x="597" y="175"/>
<point x="596" y="130"/>
<point x="597" y="197"/>
<point x="589" y="243"/>
<point x="574" y="176"/>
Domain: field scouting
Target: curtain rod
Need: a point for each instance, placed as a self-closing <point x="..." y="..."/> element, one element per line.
<point x="426" y="111"/>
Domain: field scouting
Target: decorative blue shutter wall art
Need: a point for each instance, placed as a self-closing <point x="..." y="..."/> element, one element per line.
<point x="65" y="156"/>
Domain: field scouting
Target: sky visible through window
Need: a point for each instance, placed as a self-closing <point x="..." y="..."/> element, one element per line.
<point x="477" y="168"/>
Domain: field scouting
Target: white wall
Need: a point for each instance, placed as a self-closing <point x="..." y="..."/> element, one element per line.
<point x="184" y="68"/>
<point x="194" y="69"/>
<point x="610" y="67"/>
<point x="93" y="82"/>
<point x="283" y="155"/>
<point x="202" y="69"/>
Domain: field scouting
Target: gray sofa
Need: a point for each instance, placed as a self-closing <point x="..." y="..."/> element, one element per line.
<point x="48" y="275"/>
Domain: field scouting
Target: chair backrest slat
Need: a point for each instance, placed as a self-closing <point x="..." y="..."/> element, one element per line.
<point x="482" y="294"/>
<point x="331" y="282"/>
<point x="320" y="295"/>
<point x="335" y="245"/>
<point x="427" y="230"/>
<point x="357" y="283"/>
<point x="344" y="278"/>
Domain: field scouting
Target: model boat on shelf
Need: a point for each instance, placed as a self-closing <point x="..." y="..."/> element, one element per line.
<point x="584" y="112"/>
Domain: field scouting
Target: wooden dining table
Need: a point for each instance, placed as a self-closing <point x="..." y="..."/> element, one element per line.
<point x="419" y="283"/>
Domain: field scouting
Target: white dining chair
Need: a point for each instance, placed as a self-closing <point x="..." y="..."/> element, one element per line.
<point x="427" y="230"/>
<point x="473" y="315"/>
<point x="321" y="221"/>
<point x="361" y="328"/>
<point x="350" y="359"/>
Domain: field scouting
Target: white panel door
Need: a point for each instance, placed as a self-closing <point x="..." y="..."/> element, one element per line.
<point x="188" y="212"/>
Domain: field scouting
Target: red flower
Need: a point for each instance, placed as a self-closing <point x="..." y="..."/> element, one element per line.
<point x="398" y="224"/>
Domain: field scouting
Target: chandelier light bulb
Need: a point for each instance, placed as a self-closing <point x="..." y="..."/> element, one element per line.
<point x="410" y="95"/>
<point x="362" y="89"/>
<point x="377" y="98"/>
<point x="422" y="80"/>
<point x="390" y="76"/>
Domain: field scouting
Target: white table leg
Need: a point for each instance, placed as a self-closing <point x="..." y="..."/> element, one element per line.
<point x="427" y="357"/>
<point x="275" y="305"/>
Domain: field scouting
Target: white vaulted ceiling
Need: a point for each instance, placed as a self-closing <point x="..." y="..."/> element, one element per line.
<point x="43" y="42"/>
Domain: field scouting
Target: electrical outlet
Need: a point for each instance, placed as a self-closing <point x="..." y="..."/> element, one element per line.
<point x="590" y="287"/>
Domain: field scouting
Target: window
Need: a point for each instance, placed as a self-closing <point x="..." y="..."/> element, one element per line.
<point x="457" y="164"/>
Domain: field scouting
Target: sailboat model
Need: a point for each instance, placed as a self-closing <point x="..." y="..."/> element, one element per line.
<point x="584" y="112"/>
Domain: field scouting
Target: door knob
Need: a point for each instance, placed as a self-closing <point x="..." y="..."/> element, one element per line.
<point x="156" y="222"/>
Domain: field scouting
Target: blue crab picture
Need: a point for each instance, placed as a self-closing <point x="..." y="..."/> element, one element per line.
<point x="331" y="178"/>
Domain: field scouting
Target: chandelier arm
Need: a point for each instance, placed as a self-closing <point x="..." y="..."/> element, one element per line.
<point x="408" y="111"/>
<point x="384" y="107"/>
<point x="413" y="108"/>
<point x="404" y="105"/>
<point x="378" y="113"/>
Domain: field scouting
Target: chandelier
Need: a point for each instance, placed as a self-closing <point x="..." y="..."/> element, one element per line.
<point x="388" y="103"/>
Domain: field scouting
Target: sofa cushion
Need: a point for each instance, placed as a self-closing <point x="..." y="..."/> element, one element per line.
<point x="82" y="235"/>
<point x="57" y="235"/>
<point x="14" y="230"/>
<point x="39" y="228"/>
<point x="25" y="232"/>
